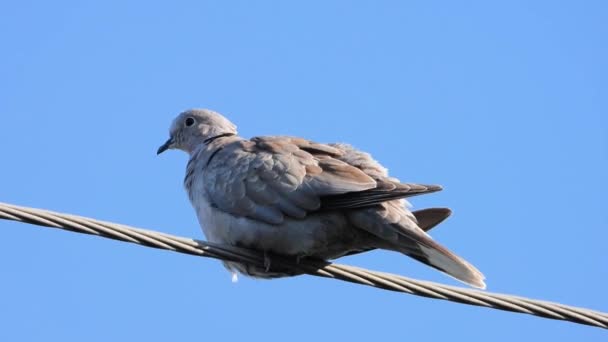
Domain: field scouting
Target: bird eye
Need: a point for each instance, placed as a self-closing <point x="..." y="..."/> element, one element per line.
<point x="189" y="122"/>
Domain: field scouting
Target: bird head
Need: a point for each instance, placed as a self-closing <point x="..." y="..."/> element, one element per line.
<point x="194" y="127"/>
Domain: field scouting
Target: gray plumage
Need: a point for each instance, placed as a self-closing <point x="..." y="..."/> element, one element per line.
<point x="294" y="197"/>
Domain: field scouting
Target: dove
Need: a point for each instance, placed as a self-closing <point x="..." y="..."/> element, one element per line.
<point x="294" y="197"/>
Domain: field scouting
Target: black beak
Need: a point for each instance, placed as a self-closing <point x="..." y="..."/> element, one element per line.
<point x="165" y="146"/>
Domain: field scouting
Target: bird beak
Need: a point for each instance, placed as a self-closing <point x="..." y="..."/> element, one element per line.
<point x="165" y="146"/>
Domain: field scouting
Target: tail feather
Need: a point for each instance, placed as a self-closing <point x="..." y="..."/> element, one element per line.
<point x="431" y="217"/>
<point x="427" y="251"/>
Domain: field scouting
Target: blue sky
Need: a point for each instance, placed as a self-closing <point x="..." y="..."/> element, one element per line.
<point x="504" y="103"/>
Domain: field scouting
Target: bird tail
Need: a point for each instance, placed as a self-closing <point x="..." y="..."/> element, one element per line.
<point x="424" y="249"/>
<point x="408" y="236"/>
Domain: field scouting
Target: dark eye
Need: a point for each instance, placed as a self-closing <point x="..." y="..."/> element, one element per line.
<point x="189" y="122"/>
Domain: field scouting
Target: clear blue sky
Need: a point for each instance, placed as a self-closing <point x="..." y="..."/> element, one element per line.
<point x="504" y="104"/>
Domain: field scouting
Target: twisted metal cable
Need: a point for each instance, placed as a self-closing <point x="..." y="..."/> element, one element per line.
<point x="351" y="274"/>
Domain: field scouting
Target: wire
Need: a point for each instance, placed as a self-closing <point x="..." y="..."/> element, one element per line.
<point x="351" y="274"/>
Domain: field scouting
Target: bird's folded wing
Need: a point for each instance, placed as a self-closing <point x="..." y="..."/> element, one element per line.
<point x="268" y="178"/>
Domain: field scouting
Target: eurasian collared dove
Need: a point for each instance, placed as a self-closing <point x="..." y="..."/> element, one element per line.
<point x="298" y="198"/>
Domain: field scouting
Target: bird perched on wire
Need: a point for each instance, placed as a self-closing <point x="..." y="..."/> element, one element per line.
<point x="295" y="197"/>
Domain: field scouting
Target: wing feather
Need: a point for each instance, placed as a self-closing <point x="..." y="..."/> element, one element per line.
<point x="375" y="196"/>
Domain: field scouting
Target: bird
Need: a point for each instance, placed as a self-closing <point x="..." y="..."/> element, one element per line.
<point x="294" y="197"/>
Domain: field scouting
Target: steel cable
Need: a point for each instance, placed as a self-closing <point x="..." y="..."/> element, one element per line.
<point x="351" y="274"/>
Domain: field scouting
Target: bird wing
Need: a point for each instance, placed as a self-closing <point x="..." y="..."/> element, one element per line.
<point x="269" y="178"/>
